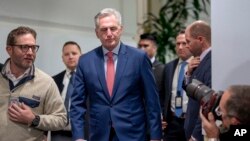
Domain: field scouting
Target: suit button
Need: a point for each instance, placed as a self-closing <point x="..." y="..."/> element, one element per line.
<point x="111" y="105"/>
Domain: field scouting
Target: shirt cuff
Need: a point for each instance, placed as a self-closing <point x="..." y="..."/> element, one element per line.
<point x="213" y="139"/>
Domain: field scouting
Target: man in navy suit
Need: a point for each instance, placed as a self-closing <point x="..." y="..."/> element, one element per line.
<point x="71" y="52"/>
<point x="175" y="124"/>
<point x="198" y="37"/>
<point x="118" y="111"/>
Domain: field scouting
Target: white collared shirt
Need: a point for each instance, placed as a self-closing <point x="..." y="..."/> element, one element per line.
<point x="174" y="88"/>
<point x="66" y="79"/>
<point x="12" y="77"/>
<point x="152" y="59"/>
<point x="115" y="57"/>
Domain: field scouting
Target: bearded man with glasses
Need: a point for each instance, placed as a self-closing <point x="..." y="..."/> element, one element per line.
<point x="30" y="102"/>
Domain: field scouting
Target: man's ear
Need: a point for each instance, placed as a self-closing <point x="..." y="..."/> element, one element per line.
<point x="96" y="33"/>
<point x="9" y="50"/>
<point x="200" y="38"/>
<point x="234" y="121"/>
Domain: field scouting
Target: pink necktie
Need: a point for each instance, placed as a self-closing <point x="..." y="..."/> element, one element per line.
<point x="110" y="72"/>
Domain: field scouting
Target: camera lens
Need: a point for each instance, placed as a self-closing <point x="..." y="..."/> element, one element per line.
<point x="198" y="90"/>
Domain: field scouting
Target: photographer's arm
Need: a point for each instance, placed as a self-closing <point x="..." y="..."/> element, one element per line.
<point x="209" y="125"/>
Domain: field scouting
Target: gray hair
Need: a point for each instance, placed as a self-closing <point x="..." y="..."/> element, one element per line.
<point x="108" y="12"/>
<point x="238" y="104"/>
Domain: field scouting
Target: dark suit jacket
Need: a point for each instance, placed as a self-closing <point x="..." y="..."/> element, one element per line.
<point x="1" y="66"/>
<point x="193" y="123"/>
<point x="59" y="80"/>
<point x="158" y="70"/>
<point x="168" y="81"/>
<point x="134" y="90"/>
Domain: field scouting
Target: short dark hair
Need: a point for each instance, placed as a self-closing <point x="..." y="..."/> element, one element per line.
<point x="181" y="32"/>
<point x="71" y="43"/>
<point x="21" y="30"/>
<point x="148" y="36"/>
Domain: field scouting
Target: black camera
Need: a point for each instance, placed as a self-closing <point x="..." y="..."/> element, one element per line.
<point x="208" y="98"/>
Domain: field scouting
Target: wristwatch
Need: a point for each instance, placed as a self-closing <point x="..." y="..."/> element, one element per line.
<point x="35" y="121"/>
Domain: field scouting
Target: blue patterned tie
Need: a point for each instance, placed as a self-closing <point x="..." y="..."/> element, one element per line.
<point x="70" y="90"/>
<point x="178" y="110"/>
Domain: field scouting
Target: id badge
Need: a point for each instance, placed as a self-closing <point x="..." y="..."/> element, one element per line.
<point x="178" y="102"/>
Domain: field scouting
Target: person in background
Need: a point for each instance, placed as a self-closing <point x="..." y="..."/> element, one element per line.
<point x="175" y="121"/>
<point x="71" y="52"/>
<point x="234" y="109"/>
<point x="148" y="43"/>
<point x="198" y="37"/>
<point x="120" y="85"/>
<point x="30" y="101"/>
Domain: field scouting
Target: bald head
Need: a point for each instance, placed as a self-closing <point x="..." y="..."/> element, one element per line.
<point x="200" y="28"/>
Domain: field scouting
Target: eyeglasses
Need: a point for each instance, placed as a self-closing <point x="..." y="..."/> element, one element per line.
<point x="219" y="114"/>
<point x="25" y="48"/>
<point x="218" y="111"/>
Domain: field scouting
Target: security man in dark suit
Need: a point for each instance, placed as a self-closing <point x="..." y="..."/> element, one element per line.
<point x="175" y="123"/>
<point x="70" y="54"/>
<point x="148" y="43"/>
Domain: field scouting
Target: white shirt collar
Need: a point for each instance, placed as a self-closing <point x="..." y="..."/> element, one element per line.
<point x="115" y="50"/>
<point x="12" y="77"/>
<point x="204" y="53"/>
<point x="152" y="59"/>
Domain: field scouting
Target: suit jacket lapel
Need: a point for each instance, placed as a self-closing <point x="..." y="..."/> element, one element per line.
<point x="59" y="80"/>
<point x="61" y="85"/>
<point x="99" y="61"/>
<point x="169" y="80"/>
<point x="121" y="64"/>
<point x="172" y="71"/>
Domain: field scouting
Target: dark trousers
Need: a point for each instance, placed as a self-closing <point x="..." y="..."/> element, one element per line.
<point x="61" y="135"/>
<point x="175" y="130"/>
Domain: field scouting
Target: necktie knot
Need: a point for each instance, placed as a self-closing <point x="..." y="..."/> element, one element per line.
<point x="72" y="73"/>
<point x="110" y="55"/>
<point x="183" y="63"/>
